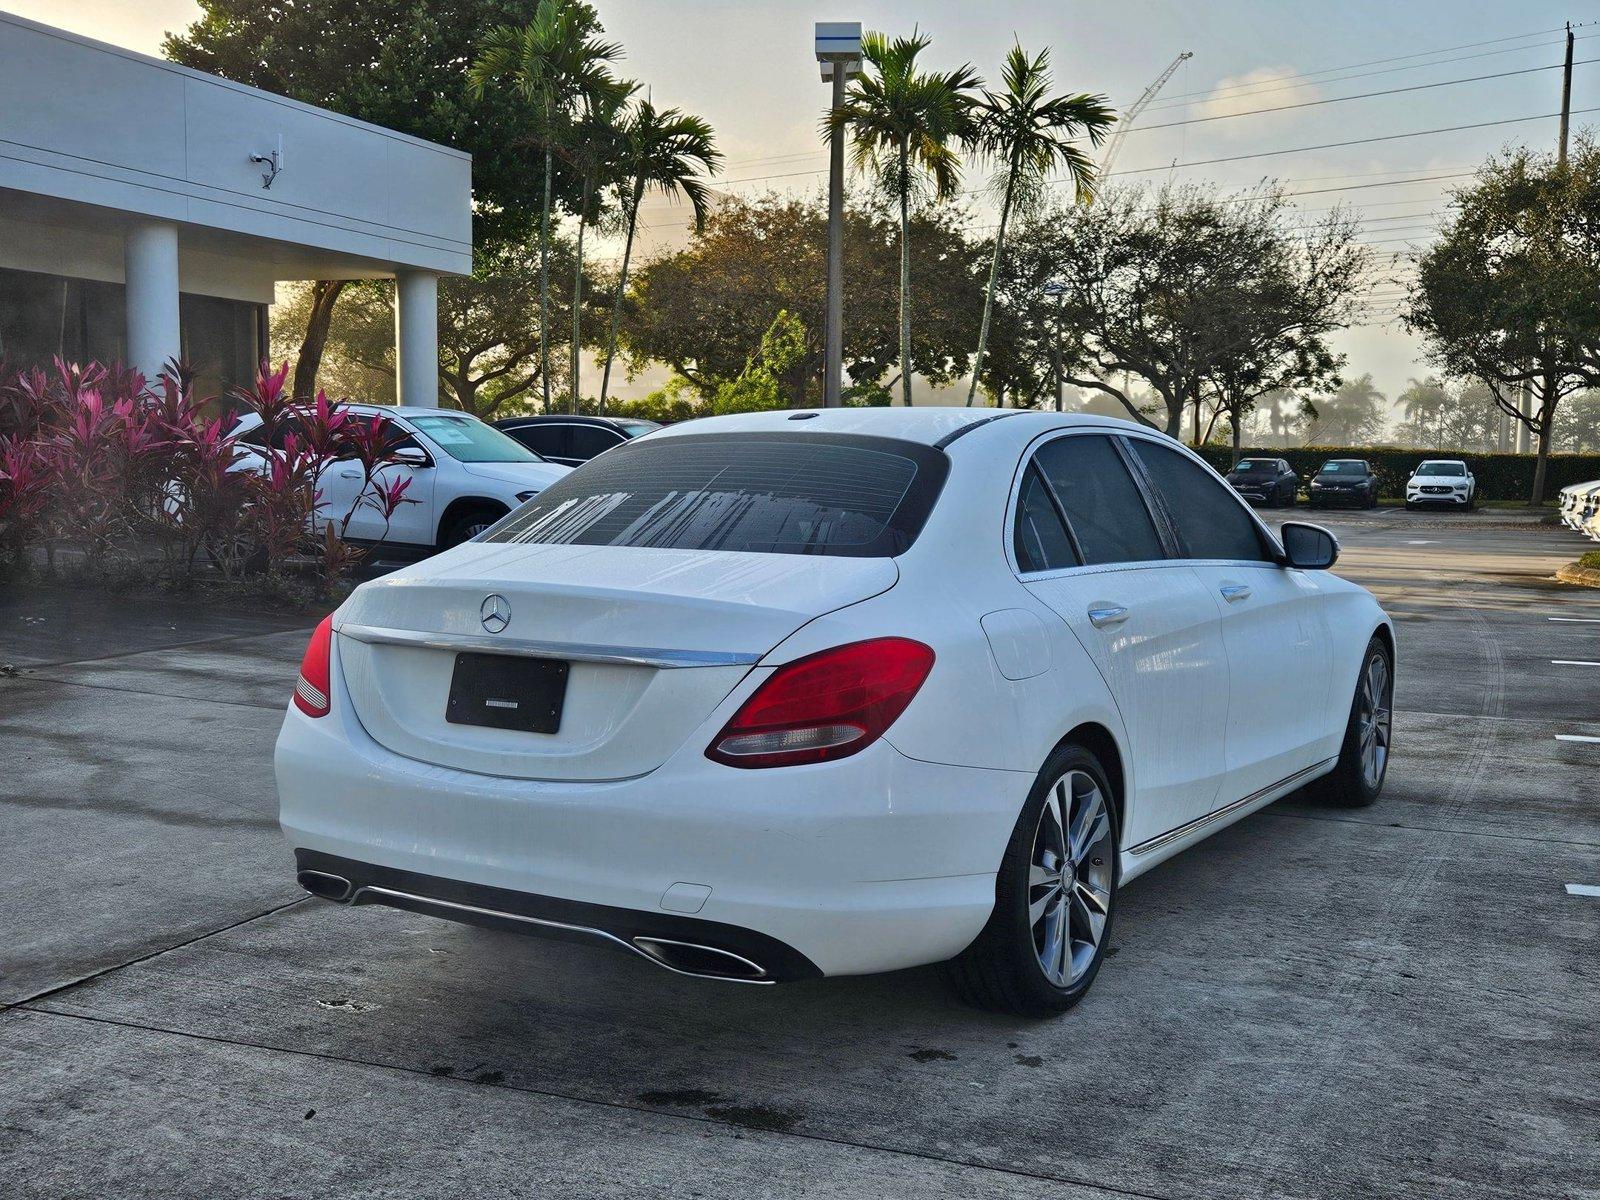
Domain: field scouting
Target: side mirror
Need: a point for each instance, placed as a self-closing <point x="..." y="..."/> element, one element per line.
<point x="1308" y="547"/>
<point x="412" y="456"/>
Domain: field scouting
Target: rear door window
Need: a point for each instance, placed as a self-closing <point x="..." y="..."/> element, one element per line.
<point x="1103" y="504"/>
<point x="774" y="493"/>
<point x="590" y="440"/>
<point x="1206" y="515"/>
<point x="547" y="441"/>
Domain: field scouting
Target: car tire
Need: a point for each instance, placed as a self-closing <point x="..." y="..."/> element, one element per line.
<point x="467" y="524"/>
<point x="1043" y="944"/>
<point x="1364" y="755"/>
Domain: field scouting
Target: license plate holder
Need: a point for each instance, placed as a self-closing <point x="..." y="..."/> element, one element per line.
<point x="502" y="691"/>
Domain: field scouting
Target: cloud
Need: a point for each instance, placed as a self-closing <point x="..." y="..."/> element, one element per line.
<point x="1263" y="88"/>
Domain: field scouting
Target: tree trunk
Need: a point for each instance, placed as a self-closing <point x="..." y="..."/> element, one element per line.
<point x="905" y="274"/>
<point x="577" y="300"/>
<point x="324" y="295"/>
<point x="1238" y="433"/>
<point x="622" y="284"/>
<point x="544" y="282"/>
<point x="988" y="292"/>
<point x="1547" y="415"/>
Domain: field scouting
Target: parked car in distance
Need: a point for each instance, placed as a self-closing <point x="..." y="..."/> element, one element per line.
<point x="573" y="440"/>
<point x="1580" y="508"/>
<point x="1442" y="481"/>
<point x="759" y="700"/>
<point x="1349" y="481"/>
<point x="465" y="475"/>
<point x="1267" y="481"/>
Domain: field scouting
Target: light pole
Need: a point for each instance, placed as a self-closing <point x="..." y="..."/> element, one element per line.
<point x="1056" y="290"/>
<point x="839" y="52"/>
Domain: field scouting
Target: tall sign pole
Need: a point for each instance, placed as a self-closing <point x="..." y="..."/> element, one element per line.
<point x="839" y="52"/>
<point x="1566" y="101"/>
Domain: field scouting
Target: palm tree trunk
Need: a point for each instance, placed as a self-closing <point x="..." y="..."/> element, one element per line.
<point x="544" y="282"/>
<point x="988" y="292"/>
<point x="905" y="273"/>
<point x="622" y="284"/>
<point x="577" y="299"/>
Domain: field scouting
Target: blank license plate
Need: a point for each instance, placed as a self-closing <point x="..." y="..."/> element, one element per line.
<point x="507" y="693"/>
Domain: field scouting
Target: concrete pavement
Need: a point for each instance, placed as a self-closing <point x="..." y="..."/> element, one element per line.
<point x="1399" y="1001"/>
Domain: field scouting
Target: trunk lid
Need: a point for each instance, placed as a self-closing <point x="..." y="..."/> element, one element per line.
<point x="655" y="639"/>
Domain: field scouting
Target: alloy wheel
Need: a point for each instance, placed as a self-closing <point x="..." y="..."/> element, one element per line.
<point x="1069" y="877"/>
<point x="1374" y="720"/>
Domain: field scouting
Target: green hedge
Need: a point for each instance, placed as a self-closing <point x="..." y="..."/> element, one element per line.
<point x="1499" y="476"/>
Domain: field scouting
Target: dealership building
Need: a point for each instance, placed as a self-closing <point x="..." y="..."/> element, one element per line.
<point x="147" y="210"/>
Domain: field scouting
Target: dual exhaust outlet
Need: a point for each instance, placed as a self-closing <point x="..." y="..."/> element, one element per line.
<point x="679" y="957"/>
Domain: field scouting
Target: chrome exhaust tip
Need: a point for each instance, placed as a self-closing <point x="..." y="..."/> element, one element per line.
<point x="325" y="884"/>
<point x="704" y="962"/>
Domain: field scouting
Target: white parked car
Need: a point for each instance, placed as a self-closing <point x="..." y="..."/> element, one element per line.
<point x="1580" y="508"/>
<point x="779" y="695"/>
<point x="465" y="476"/>
<point x="1442" y="481"/>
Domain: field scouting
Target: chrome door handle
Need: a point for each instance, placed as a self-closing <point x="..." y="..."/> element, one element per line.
<point x="1236" y="591"/>
<point x="1111" y="614"/>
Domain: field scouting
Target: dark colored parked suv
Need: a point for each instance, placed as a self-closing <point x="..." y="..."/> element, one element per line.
<point x="1348" y="481"/>
<point x="573" y="440"/>
<point x="1266" y="481"/>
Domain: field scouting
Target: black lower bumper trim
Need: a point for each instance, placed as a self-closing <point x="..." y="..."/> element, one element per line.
<point x="571" y="920"/>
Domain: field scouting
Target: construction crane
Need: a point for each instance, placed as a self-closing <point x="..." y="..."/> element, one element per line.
<point x="1137" y="108"/>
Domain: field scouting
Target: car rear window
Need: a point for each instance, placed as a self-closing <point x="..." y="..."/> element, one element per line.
<point x="771" y="493"/>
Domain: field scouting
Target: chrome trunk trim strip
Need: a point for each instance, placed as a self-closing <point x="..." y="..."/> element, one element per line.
<point x="638" y="656"/>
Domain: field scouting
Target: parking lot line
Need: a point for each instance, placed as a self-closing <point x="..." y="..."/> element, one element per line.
<point x="1576" y="737"/>
<point x="1573" y="662"/>
<point x="1576" y="620"/>
<point x="1583" y="889"/>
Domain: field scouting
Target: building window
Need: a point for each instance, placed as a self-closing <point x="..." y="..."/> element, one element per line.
<point x="82" y="320"/>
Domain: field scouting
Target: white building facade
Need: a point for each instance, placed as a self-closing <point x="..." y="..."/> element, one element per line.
<point x="147" y="210"/>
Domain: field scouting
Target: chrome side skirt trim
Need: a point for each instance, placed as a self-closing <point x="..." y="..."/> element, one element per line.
<point x="544" y="922"/>
<point x="1185" y="830"/>
<point x="638" y="656"/>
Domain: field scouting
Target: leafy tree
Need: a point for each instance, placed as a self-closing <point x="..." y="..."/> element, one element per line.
<point x="1426" y="404"/>
<point x="1577" y="429"/>
<point x="1030" y="134"/>
<point x="760" y="386"/>
<point x="704" y="310"/>
<point x="397" y="63"/>
<point x="555" y="64"/>
<point x="904" y="122"/>
<point x="1510" y="292"/>
<point x="1353" y="415"/>
<point x="668" y="151"/>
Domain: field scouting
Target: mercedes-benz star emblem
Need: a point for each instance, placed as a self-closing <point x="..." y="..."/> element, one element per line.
<point x="495" y="613"/>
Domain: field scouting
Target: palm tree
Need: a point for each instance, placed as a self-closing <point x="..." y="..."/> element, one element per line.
<point x="1030" y="133"/>
<point x="555" y="62"/>
<point x="903" y="122"/>
<point x="669" y="151"/>
<point x="595" y="153"/>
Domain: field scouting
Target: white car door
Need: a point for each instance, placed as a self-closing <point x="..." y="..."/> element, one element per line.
<point x="412" y="522"/>
<point x="1273" y="625"/>
<point x="1090" y="548"/>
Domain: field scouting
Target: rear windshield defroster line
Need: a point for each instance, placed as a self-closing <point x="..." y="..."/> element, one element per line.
<point x="776" y="493"/>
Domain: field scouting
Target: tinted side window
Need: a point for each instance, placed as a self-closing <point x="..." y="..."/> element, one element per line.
<point x="547" y="441"/>
<point x="1103" y="504"/>
<point x="1041" y="540"/>
<point x="1210" y="523"/>
<point x="589" y="440"/>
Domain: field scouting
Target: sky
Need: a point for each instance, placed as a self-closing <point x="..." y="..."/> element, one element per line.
<point x="747" y="67"/>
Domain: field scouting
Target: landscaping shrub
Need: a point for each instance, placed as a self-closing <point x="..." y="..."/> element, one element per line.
<point x="1499" y="476"/>
<point x="141" y="480"/>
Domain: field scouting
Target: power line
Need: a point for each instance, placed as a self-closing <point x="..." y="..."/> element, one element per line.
<point x="1389" y="137"/>
<point x="1418" y="87"/>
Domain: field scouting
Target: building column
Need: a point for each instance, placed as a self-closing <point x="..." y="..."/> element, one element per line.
<point x="150" y="273"/>
<point x="416" y="337"/>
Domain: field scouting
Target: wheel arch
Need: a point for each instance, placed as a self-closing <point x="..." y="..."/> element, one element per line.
<point x="1102" y="743"/>
<point x="462" y="505"/>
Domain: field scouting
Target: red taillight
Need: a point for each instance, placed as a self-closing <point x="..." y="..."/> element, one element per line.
<point x="312" y="689"/>
<point x="828" y="705"/>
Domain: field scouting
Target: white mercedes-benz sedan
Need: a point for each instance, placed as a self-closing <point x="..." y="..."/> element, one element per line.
<point x="789" y="694"/>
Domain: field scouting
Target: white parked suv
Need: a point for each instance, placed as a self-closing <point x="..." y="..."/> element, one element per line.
<point x="779" y="695"/>
<point x="465" y="476"/>
<point x="1442" y="481"/>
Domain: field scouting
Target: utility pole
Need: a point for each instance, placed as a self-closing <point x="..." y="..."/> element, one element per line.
<point x="839" y="52"/>
<point x="1566" y="101"/>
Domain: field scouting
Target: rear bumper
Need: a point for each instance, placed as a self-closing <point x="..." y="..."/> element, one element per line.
<point x="870" y="863"/>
